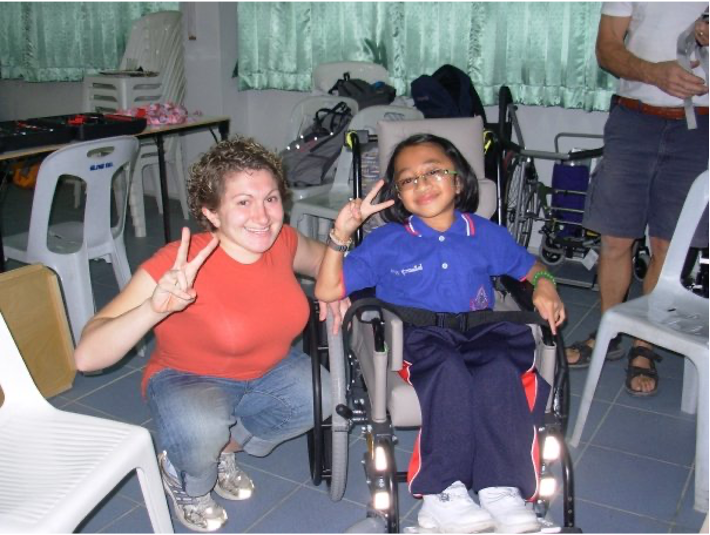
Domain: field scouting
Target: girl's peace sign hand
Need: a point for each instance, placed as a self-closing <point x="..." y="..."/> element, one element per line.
<point x="174" y="291"/>
<point x="357" y="211"/>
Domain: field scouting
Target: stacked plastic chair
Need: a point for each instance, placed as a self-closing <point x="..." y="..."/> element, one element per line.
<point x="155" y="45"/>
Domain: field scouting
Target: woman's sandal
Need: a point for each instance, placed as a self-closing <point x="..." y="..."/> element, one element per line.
<point x="635" y="371"/>
<point x="614" y="352"/>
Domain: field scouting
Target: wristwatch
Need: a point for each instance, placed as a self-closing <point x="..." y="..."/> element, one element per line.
<point x="334" y="243"/>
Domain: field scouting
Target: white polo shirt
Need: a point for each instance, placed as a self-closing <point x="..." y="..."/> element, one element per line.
<point x="653" y="35"/>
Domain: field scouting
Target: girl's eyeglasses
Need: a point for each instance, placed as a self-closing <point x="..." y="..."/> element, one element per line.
<point x="435" y="175"/>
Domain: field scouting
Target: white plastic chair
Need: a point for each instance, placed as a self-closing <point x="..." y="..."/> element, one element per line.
<point x="66" y="248"/>
<point x="155" y="44"/>
<point x="314" y="215"/>
<point x="301" y="118"/>
<point x="56" y="466"/>
<point x="325" y="75"/>
<point x="671" y="317"/>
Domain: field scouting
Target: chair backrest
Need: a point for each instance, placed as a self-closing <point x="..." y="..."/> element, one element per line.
<point x="696" y="203"/>
<point x="304" y="111"/>
<point x="104" y="165"/>
<point x="369" y="119"/>
<point x="19" y="389"/>
<point x="465" y="133"/>
<point x="326" y="74"/>
<point x="155" y="42"/>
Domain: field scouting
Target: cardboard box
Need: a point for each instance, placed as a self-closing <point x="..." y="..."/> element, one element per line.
<point x="31" y="303"/>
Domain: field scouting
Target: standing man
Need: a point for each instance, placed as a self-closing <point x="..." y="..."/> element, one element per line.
<point x="651" y="157"/>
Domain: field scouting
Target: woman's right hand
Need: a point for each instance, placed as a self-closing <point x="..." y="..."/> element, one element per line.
<point x="357" y="211"/>
<point x="175" y="291"/>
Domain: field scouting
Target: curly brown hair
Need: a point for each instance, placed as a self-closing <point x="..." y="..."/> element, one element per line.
<point x="205" y="186"/>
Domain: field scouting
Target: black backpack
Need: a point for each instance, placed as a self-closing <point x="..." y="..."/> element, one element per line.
<point x="449" y="92"/>
<point x="364" y="93"/>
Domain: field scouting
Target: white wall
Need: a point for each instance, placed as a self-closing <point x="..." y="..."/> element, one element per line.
<point x="209" y="62"/>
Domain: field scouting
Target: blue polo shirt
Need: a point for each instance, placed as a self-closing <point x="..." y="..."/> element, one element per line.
<point x="417" y="266"/>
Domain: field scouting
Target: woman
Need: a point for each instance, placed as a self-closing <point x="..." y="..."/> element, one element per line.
<point x="225" y="306"/>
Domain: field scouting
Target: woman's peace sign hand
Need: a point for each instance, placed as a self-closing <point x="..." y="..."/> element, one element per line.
<point x="174" y="291"/>
<point x="357" y="211"/>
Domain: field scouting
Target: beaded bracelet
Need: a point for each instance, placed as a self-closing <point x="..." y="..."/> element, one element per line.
<point x="543" y="275"/>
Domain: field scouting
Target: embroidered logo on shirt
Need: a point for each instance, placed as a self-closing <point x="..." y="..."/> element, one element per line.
<point x="413" y="269"/>
<point x="480" y="302"/>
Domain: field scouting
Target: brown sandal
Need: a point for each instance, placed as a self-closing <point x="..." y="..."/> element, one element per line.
<point x="614" y="352"/>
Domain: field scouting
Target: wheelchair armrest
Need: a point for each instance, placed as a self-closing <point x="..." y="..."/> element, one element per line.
<point x="520" y="291"/>
<point x="371" y="311"/>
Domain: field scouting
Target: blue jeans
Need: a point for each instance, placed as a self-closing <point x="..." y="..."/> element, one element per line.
<point x="196" y="416"/>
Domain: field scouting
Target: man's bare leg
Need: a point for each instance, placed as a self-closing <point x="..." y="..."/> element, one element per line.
<point x="659" y="249"/>
<point x="614" y="274"/>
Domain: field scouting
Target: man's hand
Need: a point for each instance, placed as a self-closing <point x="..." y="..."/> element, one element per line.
<point x="670" y="77"/>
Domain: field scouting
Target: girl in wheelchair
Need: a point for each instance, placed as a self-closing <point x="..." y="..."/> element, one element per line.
<point x="481" y="397"/>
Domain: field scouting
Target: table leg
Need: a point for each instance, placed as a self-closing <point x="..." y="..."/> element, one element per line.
<point x="2" y="250"/>
<point x="224" y="130"/>
<point x="163" y="187"/>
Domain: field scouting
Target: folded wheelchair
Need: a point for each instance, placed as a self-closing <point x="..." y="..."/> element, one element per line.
<point x="367" y="391"/>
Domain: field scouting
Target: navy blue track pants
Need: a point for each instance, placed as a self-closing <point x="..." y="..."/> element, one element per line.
<point x="481" y="401"/>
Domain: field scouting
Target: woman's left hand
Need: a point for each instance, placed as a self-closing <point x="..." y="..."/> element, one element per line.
<point x="338" y="308"/>
<point x="548" y="304"/>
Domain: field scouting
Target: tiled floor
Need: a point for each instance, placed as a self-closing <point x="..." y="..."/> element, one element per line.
<point x="633" y="471"/>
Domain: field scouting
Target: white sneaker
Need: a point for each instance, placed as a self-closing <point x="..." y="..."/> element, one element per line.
<point x="453" y="511"/>
<point x="508" y="510"/>
<point x="198" y="513"/>
<point x="232" y="482"/>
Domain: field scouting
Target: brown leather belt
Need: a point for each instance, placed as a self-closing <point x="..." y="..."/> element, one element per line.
<point x="666" y="113"/>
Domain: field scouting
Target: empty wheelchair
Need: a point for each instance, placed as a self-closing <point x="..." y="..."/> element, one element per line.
<point x="367" y="391"/>
<point x="558" y="207"/>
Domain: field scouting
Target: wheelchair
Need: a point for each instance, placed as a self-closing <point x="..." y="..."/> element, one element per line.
<point x="558" y="207"/>
<point x="367" y="391"/>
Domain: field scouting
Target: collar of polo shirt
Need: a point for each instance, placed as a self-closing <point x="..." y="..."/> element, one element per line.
<point x="463" y="225"/>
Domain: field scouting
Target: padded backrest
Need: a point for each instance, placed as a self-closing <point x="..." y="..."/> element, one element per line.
<point x="465" y="133"/>
<point x="326" y="74"/>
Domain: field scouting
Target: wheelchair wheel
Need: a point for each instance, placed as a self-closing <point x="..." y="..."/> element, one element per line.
<point x="340" y="426"/>
<point x="550" y="253"/>
<point x="317" y="459"/>
<point x="328" y="440"/>
<point x="520" y="201"/>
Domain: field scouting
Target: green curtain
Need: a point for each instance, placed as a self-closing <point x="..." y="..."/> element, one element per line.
<point x="63" y="41"/>
<point x="544" y="51"/>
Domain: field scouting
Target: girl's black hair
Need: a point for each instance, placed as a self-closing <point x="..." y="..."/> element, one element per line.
<point x="466" y="200"/>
